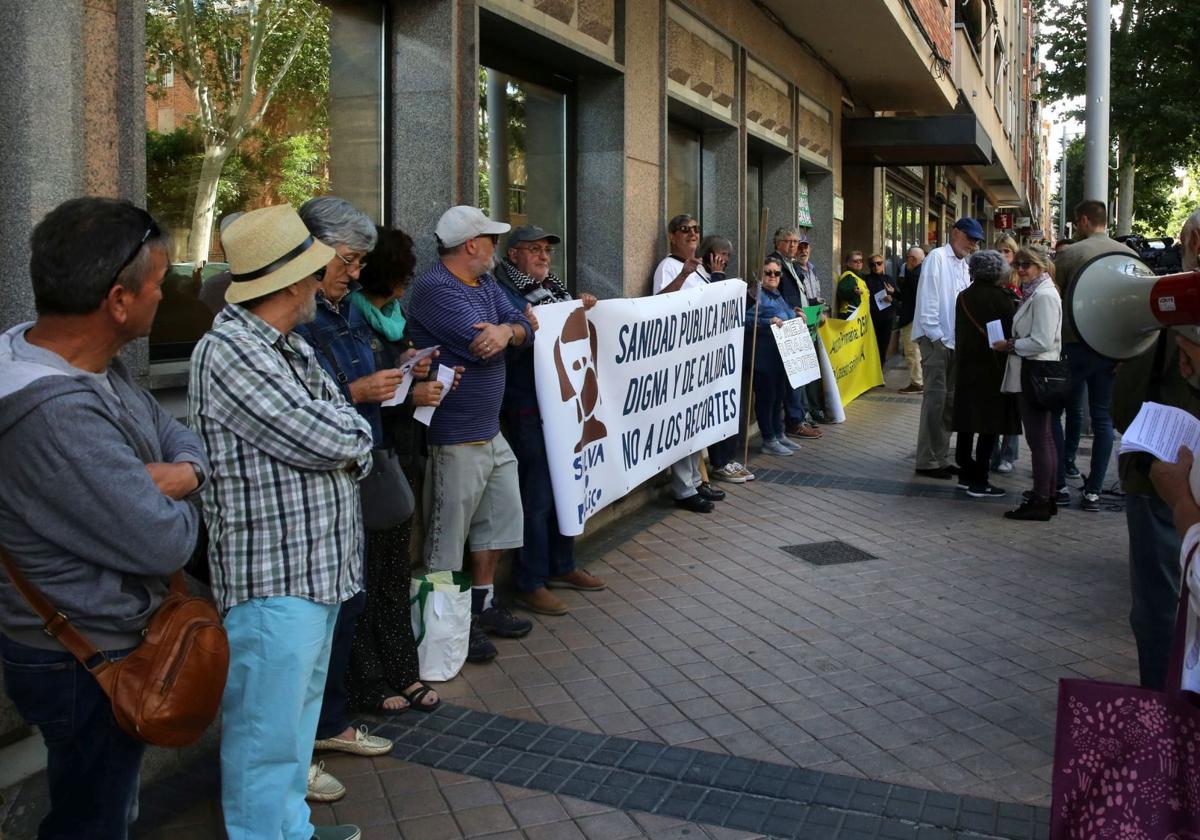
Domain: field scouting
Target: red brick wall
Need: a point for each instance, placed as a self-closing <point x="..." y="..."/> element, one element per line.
<point x="937" y="16"/>
<point x="179" y="96"/>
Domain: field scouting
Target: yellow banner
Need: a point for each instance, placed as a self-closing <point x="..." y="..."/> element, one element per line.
<point x="853" y="351"/>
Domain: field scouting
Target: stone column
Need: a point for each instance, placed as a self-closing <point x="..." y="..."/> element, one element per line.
<point x="862" y="230"/>
<point x="723" y="174"/>
<point x="72" y="120"/>
<point x="434" y="115"/>
<point x="601" y="202"/>
<point x="825" y="245"/>
<point x="645" y="143"/>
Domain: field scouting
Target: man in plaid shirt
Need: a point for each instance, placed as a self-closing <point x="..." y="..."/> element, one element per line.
<point x="283" y="516"/>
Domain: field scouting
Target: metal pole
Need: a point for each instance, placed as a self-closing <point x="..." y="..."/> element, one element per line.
<point x="1099" y="35"/>
<point x="1062" y="189"/>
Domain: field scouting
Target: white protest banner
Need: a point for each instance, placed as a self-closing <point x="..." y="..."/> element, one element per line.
<point x="632" y="386"/>
<point x="796" y="348"/>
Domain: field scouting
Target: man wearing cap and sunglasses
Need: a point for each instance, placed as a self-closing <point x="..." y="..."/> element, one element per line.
<point x="944" y="274"/>
<point x="547" y="559"/>
<point x="283" y="515"/>
<point x="96" y="505"/>
<point x="472" y="493"/>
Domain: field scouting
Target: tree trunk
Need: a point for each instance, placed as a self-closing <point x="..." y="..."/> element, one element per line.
<point x="205" y="205"/>
<point x="1125" y="186"/>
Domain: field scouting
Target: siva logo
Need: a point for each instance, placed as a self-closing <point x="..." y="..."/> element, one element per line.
<point x="575" y="361"/>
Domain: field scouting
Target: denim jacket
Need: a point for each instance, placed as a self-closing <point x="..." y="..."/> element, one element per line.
<point x="345" y="346"/>
<point x="769" y="305"/>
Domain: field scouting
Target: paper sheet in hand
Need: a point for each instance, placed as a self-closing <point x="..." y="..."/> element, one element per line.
<point x="879" y="299"/>
<point x="406" y="383"/>
<point x="445" y="375"/>
<point x="796" y="348"/>
<point x="1161" y="430"/>
<point x="995" y="331"/>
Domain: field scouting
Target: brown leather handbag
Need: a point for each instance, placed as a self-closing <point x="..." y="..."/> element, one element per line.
<point x="168" y="690"/>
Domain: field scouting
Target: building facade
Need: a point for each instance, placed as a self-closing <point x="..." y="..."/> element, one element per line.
<point x="872" y="124"/>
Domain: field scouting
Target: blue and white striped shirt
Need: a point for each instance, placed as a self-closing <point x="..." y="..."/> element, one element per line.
<point x="443" y="311"/>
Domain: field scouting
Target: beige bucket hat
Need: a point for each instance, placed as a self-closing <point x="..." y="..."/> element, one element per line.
<point x="270" y="249"/>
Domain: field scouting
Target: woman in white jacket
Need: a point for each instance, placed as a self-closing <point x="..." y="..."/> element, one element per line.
<point x="1037" y="335"/>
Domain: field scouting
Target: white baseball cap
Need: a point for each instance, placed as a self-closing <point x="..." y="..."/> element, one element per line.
<point x="458" y="224"/>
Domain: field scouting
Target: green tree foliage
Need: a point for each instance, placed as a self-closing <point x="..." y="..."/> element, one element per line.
<point x="1154" y="79"/>
<point x="238" y="58"/>
<point x="1154" y="203"/>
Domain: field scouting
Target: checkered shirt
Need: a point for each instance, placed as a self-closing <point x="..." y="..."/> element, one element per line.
<point x="287" y="452"/>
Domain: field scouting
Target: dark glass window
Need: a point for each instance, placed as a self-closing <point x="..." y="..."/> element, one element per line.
<point x="523" y="156"/>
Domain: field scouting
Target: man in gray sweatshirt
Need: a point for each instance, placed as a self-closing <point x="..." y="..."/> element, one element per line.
<point x="95" y="504"/>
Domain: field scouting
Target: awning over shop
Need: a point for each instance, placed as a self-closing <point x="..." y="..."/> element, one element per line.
<point x="953" y="139"/>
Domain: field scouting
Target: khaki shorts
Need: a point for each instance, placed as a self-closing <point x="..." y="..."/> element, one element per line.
<point x="472" y="498"/>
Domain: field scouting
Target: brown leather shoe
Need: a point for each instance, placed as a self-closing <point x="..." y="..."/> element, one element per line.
<point x="802" y="430"/>
<point x="541" y="601"/>
<point x="578" y="579"/>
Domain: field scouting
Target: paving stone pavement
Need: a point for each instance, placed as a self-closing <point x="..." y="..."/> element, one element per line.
<point x="932" y="667"/>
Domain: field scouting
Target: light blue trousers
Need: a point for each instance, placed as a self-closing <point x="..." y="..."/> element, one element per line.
<point x="278" y="657"/>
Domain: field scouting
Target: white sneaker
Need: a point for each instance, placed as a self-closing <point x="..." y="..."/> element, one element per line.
<point x="363" y="744"/>
<point x="742" y="471"/>
<point x="790" y="444"/>
<point x="322" y="786"/>
<point x="730" y="473"/>
<point x="1004" y="466"/>
<point x="774" y="447"/>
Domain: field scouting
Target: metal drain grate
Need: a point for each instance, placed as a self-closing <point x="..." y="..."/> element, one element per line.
<point x="833" y="553"/>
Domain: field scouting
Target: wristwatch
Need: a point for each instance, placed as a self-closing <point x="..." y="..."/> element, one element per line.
<point x="199" y="473"/>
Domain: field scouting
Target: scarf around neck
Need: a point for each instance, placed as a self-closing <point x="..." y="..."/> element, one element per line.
<point x="526" y="284"/>
<point x="388" y="321"/>
<point x="1027" y="288"/>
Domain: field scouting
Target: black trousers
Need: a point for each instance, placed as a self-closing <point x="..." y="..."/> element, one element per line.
<point x="974" y="470"/>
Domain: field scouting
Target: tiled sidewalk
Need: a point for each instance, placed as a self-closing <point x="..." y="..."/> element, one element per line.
<point x="933" y="666"/>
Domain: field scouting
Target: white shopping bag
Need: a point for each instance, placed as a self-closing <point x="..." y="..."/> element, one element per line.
<point x="441" y="617"/>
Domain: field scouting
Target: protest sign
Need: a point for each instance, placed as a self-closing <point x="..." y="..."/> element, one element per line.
<point x="797" y="351"/>
<point x="632" y="386"/>
<point x="853" y="352"/>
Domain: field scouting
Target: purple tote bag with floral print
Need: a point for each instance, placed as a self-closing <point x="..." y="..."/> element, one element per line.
<point x="1127" y="759"/>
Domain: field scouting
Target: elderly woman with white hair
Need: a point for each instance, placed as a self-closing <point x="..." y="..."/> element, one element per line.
<point x="982" y="413"/>
<point x="342" y="339"/>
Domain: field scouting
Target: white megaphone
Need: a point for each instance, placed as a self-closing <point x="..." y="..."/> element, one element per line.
<point x="1117" y="305"/>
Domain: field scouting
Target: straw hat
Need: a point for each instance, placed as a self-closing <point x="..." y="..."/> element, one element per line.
<point x="270" y="249"/>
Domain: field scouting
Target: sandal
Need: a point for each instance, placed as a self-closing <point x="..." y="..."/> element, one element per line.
<point x="418" y="694"/>
<point x="381" y="709"/>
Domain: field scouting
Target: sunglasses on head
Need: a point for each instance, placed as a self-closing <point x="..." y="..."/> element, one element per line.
<point x="152" y="231"/>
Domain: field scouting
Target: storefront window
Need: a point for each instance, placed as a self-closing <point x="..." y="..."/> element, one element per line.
<point x="683" y="171"/>
<point x="523" y="156"/>
<point x="303" y="118"/>
<point x="902" y="227"/>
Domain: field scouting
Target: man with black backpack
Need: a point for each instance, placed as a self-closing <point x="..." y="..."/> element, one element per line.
<point x="96" y="502"/>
